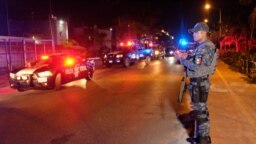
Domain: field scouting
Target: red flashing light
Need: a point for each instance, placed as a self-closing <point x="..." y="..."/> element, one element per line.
<point x="129" y="43"/>
<point x="44" y="57"/>
<point x="69" y="61"/>
<point x="150" y="44"/>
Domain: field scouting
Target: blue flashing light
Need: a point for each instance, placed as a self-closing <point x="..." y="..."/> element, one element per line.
<point x="183" y="42"/>
<point x="148" y="51"/>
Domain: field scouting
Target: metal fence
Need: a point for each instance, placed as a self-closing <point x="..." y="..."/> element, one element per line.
<point x="249" y="68"/>
<point x="15" y="52"/>
<point x="242" y="62"/>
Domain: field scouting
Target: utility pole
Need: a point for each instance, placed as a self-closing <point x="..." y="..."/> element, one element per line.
<point x="51" y="17"/>
<point x="7" y="17"/>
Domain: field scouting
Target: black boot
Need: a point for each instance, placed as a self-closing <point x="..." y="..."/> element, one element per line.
<point x="200" y="140"/>
<point x="205" y="140"/>
<point x="193" y="140"/>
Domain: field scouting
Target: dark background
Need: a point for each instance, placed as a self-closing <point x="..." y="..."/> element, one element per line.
<point x="175" y="16"/>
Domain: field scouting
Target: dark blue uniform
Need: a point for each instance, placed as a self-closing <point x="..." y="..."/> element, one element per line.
<point x="199" y="67"/>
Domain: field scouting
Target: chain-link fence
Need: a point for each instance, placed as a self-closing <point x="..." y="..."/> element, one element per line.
<point x="15" y="52"/>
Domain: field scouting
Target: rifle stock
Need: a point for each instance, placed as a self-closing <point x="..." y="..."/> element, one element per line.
<point x="182" y="88"/>
<point x="181" y="93"/>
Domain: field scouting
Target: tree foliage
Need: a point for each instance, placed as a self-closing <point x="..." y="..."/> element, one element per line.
<point x="245" y="2"/>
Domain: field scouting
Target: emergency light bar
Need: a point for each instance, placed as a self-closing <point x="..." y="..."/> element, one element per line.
<point x="44" y="57"/>
<point x="69" y="61"/>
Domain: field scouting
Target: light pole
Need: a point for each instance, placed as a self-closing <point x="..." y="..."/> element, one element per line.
<point x="207" y="7"/>
<point x="51" y="18"/>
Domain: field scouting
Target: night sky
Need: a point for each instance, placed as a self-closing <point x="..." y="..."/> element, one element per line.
<point x="170" y="14"/>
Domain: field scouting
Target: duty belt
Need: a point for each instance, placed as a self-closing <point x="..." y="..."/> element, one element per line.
<point x="199" y="79"/>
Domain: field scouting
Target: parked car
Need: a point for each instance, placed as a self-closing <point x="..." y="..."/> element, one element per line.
<point x="158" y="52"/>
<point x="51" y="71"/>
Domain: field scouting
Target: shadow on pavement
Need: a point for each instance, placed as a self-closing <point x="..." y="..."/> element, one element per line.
<point x="188" y="123"/>
<point x="10" y="116"/>
<point x="248" y="80"/>
<point x="64" y="139"/>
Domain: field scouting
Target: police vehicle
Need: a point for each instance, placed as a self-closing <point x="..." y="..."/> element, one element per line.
<point x="51" y="71"/>
<point x="169" y="51"/>
<point x="127" y="54"/>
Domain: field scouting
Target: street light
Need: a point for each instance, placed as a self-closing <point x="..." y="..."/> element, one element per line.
<point x="207" y="7"/>
<point x="61" y="22"/>
<point x="206" y="20"/>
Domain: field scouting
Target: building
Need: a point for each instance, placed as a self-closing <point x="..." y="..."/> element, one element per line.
<point x="93" y="38"/>
<point x="41" y="29"/>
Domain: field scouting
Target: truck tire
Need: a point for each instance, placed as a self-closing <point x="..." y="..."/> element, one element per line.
<point x="147" y="60"/>
<point x="20" y="89"/>
<point x="126" y="62"/>
<point x="89" y="75"/>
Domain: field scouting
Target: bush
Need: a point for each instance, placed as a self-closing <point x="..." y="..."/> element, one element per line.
<point x="237" y="61"/>
<point x="230" y="58"/>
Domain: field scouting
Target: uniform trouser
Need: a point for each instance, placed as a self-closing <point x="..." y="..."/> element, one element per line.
<point x="199" y="95"/>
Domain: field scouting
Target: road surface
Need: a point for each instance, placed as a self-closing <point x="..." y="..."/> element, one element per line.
<point x="126" y="106"/>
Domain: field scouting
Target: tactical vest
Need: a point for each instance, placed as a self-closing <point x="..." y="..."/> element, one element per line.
<point x="205" y="69"/>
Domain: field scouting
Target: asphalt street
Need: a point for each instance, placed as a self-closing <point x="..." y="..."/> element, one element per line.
<point x="127" y="106"/>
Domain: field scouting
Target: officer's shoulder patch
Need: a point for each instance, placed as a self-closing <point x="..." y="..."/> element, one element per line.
<point x="198" y="59"/>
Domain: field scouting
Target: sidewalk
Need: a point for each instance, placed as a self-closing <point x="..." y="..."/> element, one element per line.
<point x="232" y="107"/>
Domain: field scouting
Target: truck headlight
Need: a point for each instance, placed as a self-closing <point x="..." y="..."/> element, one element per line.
<point x="45" y="74"/>
<point x="12" y="75"/>
<point x="157" y="52"/>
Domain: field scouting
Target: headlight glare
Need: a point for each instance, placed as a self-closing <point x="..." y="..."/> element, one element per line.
<point x="24" y="77"/>
<point x="157" y="52"/>
<point x="12" y="75"/>
<point x="119" y="56"/>
<point x="133" y="56"/>
<point x="45" y="74"/>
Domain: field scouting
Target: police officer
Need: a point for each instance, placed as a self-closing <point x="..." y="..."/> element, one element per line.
<point x="200" y="65"/>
